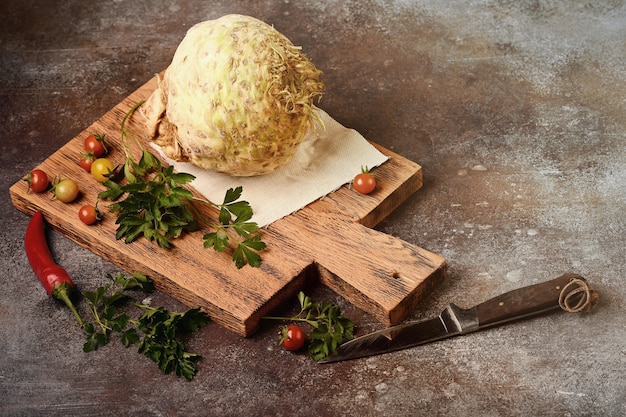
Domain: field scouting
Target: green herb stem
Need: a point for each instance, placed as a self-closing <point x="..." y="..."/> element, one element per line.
<point x="124" y="139"/>
<point x="313" y="323"/>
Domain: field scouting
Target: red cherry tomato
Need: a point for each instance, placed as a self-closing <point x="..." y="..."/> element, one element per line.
<point x="292" y="337"/>
<point x="37" y="181"/>
<point x="86" y="160"/>
<point x="89" y="214"/>
<point x="66" y="190"/>
<point x="364" y="183"/>
<point x="95" y="144"/>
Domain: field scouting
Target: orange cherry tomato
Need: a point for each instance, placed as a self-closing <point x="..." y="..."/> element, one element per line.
<point x="364" y="183"/>
<point x="89" y="214"/>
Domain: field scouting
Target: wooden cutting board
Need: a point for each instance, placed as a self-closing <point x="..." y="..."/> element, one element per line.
<point x="330" y="240"/>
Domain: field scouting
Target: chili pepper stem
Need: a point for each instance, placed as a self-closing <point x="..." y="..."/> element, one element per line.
<point x="62" y="292"/>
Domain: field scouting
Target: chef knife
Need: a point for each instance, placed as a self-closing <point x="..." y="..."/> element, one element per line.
<point x="569" y="292"/>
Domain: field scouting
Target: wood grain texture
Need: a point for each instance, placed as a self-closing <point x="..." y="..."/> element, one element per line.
<point x="330" y="240"/>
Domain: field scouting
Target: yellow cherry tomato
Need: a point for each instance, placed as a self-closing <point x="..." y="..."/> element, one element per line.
<point x="101" y="168"/>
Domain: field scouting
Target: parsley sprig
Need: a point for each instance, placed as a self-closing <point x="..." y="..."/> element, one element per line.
<point x="330" y="327"/>
<point x="102" y="304"/>
<point x="236" y="214"/>
<point x="156" y="331"/>
<point x="157" y="206"/>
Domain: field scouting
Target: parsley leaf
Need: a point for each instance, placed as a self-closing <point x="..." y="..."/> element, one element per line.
<point x="113" y="191"/>
<point x="155" y="208"/>
<point x="246" y="252"/>
<point x="160" y="328"/>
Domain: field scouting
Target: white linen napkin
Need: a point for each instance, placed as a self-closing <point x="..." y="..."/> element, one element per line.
<point x="329" y="156"/>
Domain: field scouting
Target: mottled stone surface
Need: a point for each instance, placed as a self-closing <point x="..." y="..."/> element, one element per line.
<point x="516" y="111"/>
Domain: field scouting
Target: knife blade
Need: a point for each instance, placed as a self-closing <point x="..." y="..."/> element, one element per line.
<point x="569" y="292"/>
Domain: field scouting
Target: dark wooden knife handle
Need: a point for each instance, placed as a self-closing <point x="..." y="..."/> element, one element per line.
<point x="525" y="302"/>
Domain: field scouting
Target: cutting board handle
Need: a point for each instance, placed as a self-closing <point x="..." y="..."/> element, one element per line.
<point x="379" y="273"/>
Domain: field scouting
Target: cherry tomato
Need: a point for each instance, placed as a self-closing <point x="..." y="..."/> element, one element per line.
<point x="364" y="182"/>
<point x="66" y="190"/>
<point x="96" y="145"/>
<point x="101" y="168"/>
<point x="89" y="214"/>
<point x="37" y="181"/>
<point x="292" y="337"/>
<point x="86" y="160"/>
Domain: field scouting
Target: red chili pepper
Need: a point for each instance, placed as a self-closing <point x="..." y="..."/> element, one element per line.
<point x="54" y="278"/>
